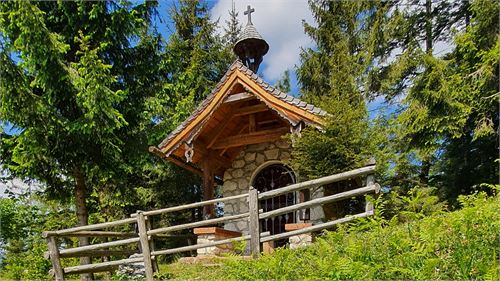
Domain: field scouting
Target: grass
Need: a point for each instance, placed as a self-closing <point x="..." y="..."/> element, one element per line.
<point x="442" y="246"/>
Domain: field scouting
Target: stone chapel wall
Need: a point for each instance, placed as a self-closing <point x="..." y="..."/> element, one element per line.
<point x="237" y="178"/>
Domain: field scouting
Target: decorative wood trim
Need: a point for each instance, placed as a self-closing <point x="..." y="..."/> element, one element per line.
<point x="239" y="97"/>
<point x="173" y="159"/>
<point x="251" y="138"/>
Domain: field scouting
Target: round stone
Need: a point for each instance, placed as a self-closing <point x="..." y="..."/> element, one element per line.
<point x="243" y="208"/>
<point x="241" y="225"/>
<point x="271" y="154"/>
<point x="227" y="176"/>
<point x="238" y="173"/>
<point x="238" y="164"/>
<point x="259" y="159"/>
<point x="250" y="156"/>
<point x="230" y="185"/>
<point x="285" y="155"/>
<point x="250" y="167"/>
<point x="243" y="183"/>
<point x="271" y="146"/>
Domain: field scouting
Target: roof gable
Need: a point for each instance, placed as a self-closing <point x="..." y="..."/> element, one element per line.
<point x="288" y="107"/>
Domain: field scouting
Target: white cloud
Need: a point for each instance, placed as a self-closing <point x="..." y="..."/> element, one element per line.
<point x="280" y="24"/>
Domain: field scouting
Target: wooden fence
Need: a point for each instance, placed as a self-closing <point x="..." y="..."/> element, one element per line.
<point x="145" y="235"/>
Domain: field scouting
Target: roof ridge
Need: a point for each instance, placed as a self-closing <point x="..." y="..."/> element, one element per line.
<point x="238" y="65"/>
<point x="279" y="94"/>
<point x="235" y="65"/>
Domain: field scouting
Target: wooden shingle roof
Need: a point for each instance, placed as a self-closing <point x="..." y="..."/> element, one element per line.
<point x="289" y="108"/>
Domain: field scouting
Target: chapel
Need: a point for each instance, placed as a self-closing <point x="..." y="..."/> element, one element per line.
<point x="235" y="138"/>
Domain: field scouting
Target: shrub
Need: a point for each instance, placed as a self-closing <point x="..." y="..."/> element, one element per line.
<point x="455" y="245"/>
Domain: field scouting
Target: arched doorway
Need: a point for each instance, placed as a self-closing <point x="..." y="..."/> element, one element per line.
<point x="272" y="177"/>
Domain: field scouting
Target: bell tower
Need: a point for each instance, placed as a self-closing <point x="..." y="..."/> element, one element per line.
<point x="250" y="47"/>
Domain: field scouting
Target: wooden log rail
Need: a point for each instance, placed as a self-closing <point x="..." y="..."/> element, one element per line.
<point x="145" y="235"/>
<point x="143" y="238"/>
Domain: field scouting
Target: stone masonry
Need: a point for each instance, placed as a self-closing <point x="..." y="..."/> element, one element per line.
<point x="237" y="179"/>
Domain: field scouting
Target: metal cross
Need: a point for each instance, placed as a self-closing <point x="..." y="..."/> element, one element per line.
<point x="249" y="12"/>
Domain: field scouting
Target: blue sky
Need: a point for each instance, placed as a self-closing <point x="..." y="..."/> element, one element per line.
<point x="278" y="21"/>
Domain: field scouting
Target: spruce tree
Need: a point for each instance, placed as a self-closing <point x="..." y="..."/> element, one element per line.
<point x="331" y="75"/>
<point x="194" y="61"/>
<point x="233" y="27"/>
<point x="73" y="84"/>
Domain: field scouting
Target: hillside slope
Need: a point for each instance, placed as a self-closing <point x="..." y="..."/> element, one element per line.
<point x="449" y="245"/>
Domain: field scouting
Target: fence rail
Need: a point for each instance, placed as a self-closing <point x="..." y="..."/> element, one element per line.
<point x="144" y="238"/>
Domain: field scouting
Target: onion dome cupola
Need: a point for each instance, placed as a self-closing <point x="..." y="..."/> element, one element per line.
<point x="250" y="47"/>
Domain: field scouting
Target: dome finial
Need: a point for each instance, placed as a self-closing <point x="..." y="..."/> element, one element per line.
<point x="250" y="47"/>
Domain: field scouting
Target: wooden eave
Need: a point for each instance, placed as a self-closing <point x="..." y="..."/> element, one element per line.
<point x="240" y="87"/>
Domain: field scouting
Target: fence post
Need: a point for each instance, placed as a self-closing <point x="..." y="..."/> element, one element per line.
<point x="54" y="257"/>
<point x="146" y="252"/>
<point x="370" y="180"/>
<point x="253" y="207"/>
<point x="151" y="244"/>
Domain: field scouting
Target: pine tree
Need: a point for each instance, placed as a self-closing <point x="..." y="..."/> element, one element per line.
<point x="454" y="103"/>
<point x="233" y="28"/>
<point x="439" y="118"/>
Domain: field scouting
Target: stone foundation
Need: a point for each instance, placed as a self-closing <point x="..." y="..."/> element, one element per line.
<point x="301" y="240"/>
<point x="211" y="234"/>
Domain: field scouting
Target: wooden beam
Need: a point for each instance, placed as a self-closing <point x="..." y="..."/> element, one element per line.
<point x="239" y="97"/>
<point x="101" y="234"/>
<point x="208" y="186"/>
<point x="221" y="127"/>
<point x="252" y="138"/>
<point x="243" y="128"/>
<point x="184" y="165"/>
<point x="201" y="147"/>
<point x="101" y="253"/>
<point x="252" y="109"/>
<point x="251" y="123"/>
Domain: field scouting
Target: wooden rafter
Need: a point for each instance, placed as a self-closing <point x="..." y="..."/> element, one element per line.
<point x="251" y="109"/>
<point x="251" y="138"/>
<point x="221" y="127"/>
<point x="242" y="129"/>
<point x="200" y="147"/>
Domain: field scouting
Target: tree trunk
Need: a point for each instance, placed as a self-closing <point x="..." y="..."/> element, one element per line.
<point x="428" y="26"/>
<point x="426" y="162"/>
<point x="425" y="169"/>
<point x="82" y="215"/>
